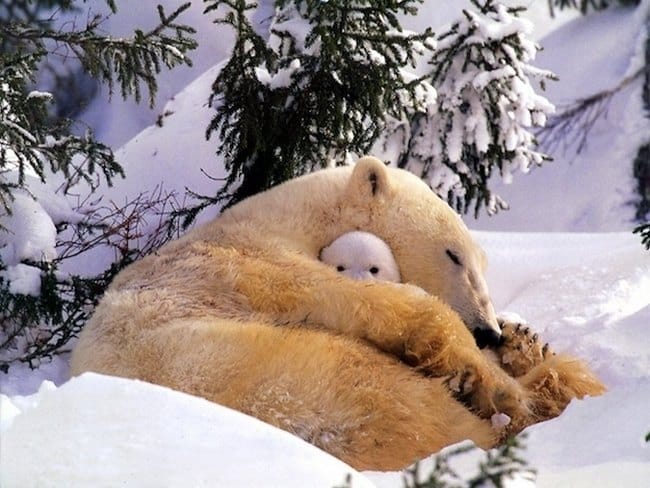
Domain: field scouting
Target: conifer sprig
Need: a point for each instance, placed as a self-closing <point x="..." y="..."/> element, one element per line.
<point x="485" y="109"/>
<point x="128" y="62"/>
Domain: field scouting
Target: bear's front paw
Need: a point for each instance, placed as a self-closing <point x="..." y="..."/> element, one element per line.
<point x="487" y="397"/>
<point x="520" y="349"/>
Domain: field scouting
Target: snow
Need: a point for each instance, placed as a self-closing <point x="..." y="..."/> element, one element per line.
<point x="554" y="261"/>
<point x="101" y="431"/>
<point x="596" y="180"/>
<point x="482" y="105"/>
<point x="33" y="235"/>
<point x="23" y="279"/>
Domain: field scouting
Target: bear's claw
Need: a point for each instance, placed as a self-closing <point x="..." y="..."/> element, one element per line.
<point x="520" y="351"/>
<point x="485" y="400"/>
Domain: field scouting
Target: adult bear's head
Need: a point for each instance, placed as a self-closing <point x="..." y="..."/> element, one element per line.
<point x="431" y="244"/>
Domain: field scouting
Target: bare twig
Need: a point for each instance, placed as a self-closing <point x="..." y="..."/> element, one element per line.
<point x="574" y="122"/>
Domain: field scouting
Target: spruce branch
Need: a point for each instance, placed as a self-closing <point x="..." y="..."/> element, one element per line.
<point x="30" y="141"/>
<point x="497" y="467"/>
<point x="128" y="62"/>
<point x="644" y="231"/>
<point x="484" y="110"/>
<point x="309" y="96"/>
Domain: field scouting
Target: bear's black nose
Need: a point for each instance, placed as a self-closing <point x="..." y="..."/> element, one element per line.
<point x="486" y="337"/>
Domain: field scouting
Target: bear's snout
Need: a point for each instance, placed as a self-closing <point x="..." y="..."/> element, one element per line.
<point x="486" y="337"/>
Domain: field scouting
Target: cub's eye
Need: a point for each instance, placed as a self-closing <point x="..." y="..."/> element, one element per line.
<point x="374" y="270"/>
<point x="340" y="268"/>
<point x="454" y="257"/>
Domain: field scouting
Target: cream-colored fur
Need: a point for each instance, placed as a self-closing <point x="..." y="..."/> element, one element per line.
<point x="241" y="312"/>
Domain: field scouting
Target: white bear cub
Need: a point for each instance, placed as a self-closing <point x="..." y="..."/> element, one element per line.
<point x="362" y="256"/>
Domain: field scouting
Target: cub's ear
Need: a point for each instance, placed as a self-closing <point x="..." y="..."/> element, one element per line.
<point x="369" y="180"/>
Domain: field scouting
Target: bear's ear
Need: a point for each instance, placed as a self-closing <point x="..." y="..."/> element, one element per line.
<point x="369" y="180"/>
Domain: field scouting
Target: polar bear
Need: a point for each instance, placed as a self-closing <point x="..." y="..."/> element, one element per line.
<point x="362" y="256"/>
<point x="241" y="311"/>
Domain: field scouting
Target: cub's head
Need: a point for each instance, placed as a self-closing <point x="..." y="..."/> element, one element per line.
<point x="430" y="243"/>
<point x="361" y="256"/>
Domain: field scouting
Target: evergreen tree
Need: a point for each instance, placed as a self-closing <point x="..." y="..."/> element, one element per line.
<point x="316" y="92"/>
<point x="43" y="307"/>
<point x="337" y="80"/>
<point x="644" y="231"/>
<point x="485" y="109"/>
<point x="642" y="160"/>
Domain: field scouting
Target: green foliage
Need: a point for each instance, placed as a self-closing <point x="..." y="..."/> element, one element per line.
<point x="443" y="475"/>
<point x="496" y="469"/>
<point x="129" y="62"/>
<point x="299" y="102"/>
<point x="30" y="142"/>
<point x="36" y="327"/>
<point x="641" y="171"/>
<point x="641" y="166"/>
<point x="28" y="138"/>
<point x="35" y="145"/>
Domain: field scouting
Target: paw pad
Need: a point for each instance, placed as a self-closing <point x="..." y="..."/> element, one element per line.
<point x="521" y="349"/>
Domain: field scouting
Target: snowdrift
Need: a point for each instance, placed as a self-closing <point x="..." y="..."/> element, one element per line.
<point x="102" y="431"/>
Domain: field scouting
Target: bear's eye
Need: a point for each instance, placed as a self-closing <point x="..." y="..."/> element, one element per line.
<point x="374" y="270"/>
<point x="454" y="257"/>
<point x="340" y="268"/>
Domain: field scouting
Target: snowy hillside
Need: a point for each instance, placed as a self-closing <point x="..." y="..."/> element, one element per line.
<point x="587" y="294"/>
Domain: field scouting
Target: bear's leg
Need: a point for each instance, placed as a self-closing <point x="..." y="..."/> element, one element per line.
<point x="342" y="395"/>
<point x="419" y="329"/>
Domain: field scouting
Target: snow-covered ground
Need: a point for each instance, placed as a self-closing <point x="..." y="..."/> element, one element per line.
<point x="586" y="293"/>
<point x="100" y="431"/>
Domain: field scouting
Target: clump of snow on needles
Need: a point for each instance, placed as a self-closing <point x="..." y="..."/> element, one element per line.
<point x="28" y="232"/>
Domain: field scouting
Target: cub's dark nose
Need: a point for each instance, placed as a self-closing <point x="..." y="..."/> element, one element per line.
<point x="486" y="337"/>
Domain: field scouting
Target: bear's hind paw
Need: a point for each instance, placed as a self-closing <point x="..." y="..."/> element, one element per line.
<point x="485" y="398"/>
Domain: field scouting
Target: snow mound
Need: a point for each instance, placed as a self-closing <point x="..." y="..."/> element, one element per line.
<point x="103" y="431"/>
